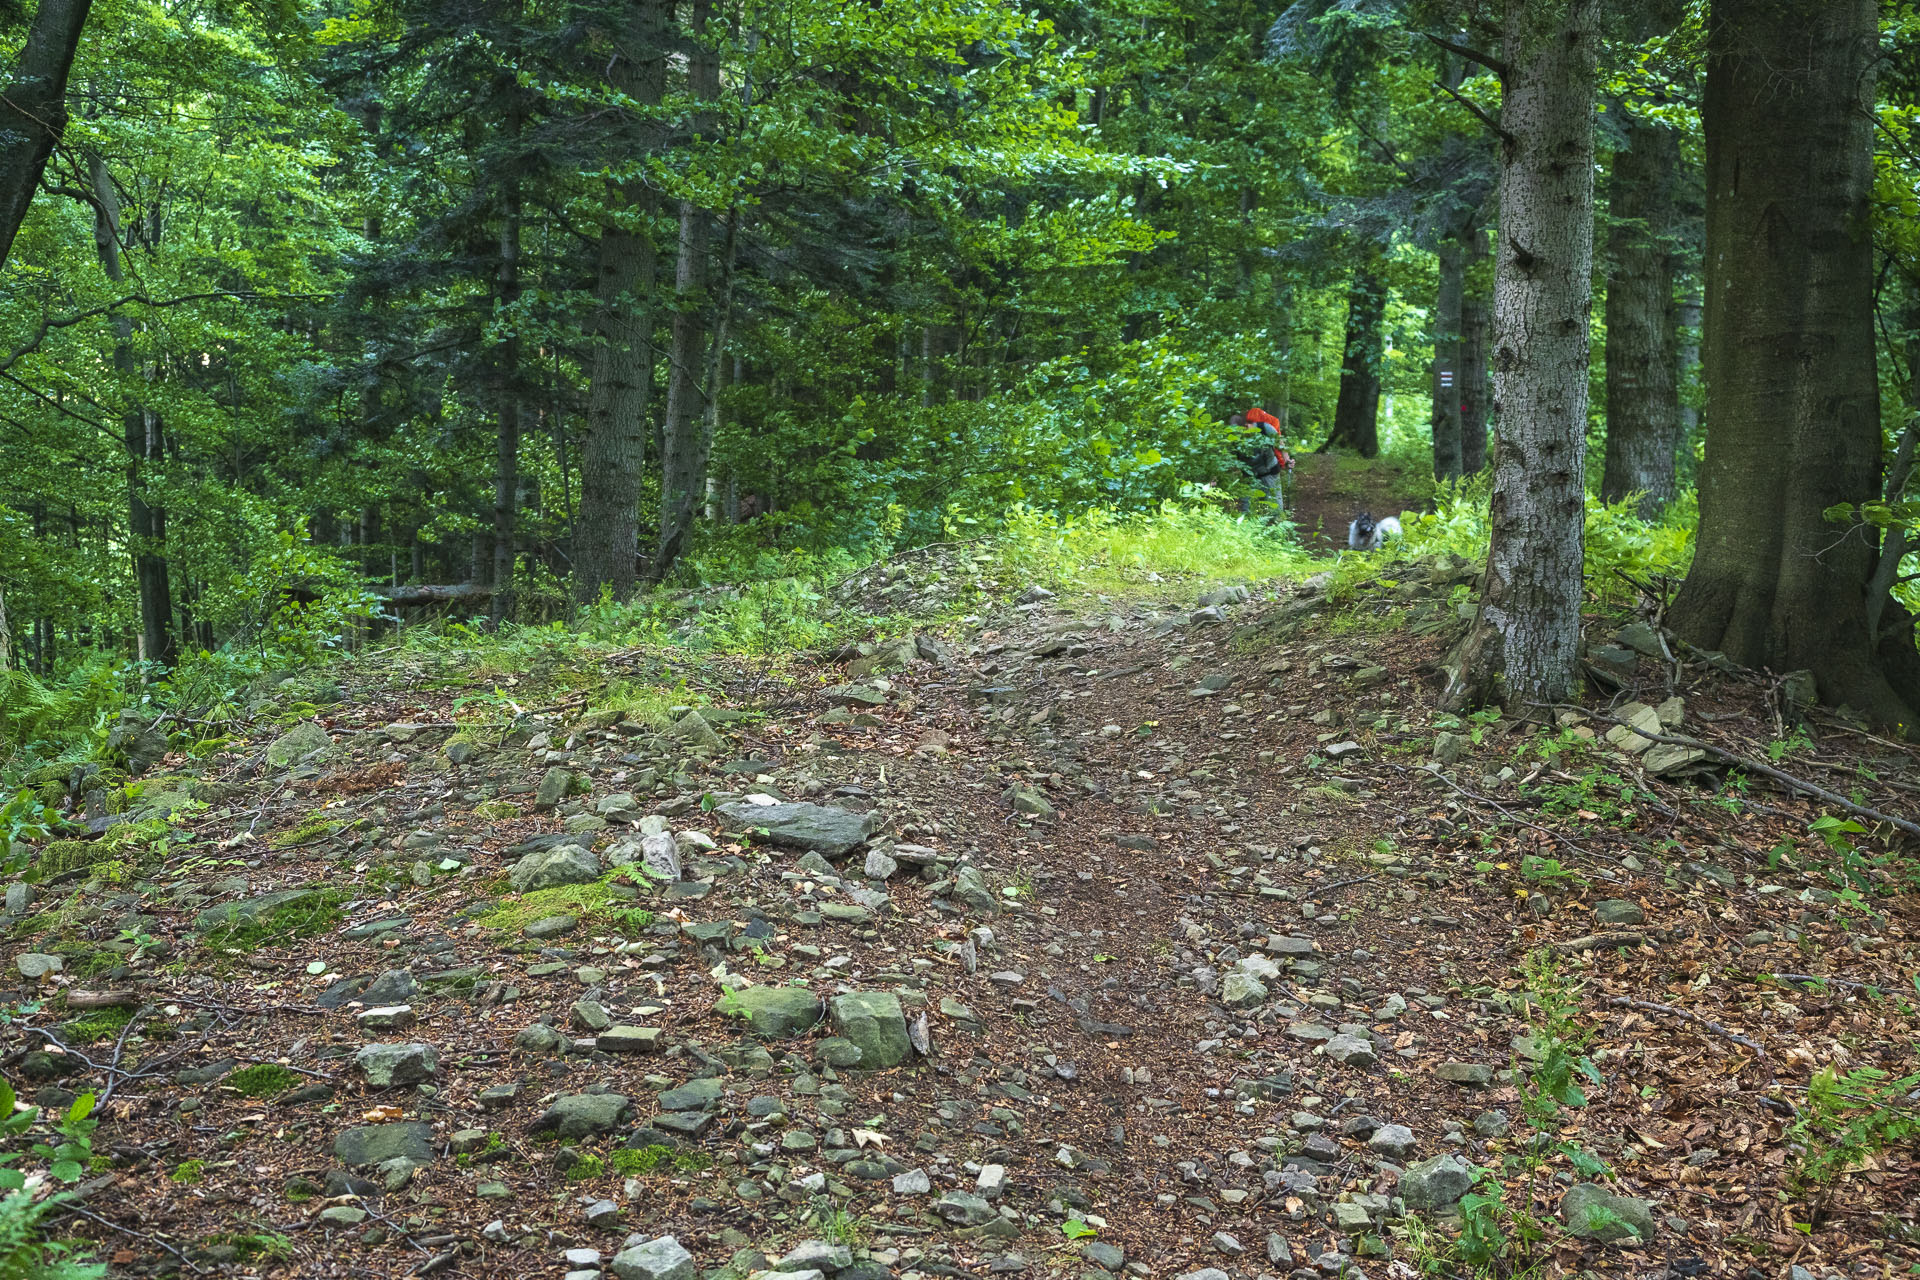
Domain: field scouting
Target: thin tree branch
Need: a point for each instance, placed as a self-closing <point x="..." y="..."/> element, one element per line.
<point x="1471" y="54"/>
<point x="1477" y="110"/>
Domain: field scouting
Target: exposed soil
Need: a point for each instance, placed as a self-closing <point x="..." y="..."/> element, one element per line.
<point x="1224" y="785"/>
<point x="1328" y="490"/>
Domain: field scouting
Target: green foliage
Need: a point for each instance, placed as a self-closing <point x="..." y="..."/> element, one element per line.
<point x="1617" y="540"/>
<point x="586" y="1168"/>
<point x="1847" y="1119"/>
<point x="284" y="924"/>
<point x="640" y="1162"/>
<point x="309" y="830"/>
<point x="102" y="1024"/>
<point x="1074" y="1229"/>
<point x="600" y="901"/>
<point x="26" y="1253"/>
<point x="262" y="1080"/>
<point x="189" y="1173"/>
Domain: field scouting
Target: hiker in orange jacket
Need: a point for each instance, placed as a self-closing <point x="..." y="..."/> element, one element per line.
<point x="1266" y="458"/>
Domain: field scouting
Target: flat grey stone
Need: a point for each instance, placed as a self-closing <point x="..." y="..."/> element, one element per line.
<point x="1352" y="1050"/>
<point x="1474" y="1074"/>
<point x="378" y="1143"/>
<point x="661" y="1259"/>
<point x="798" y="825"/>
<point x="33" y="965"/>
<point x="874" y="1021"/>
<point x="297" y="743"/>
<point x="1395" y="1141"/>
<point x="1240" y="990"/>
<point x="1615" y="911"/>
<point x="1594" y="1213"/>
<point x="387" y="1065"/>
<point x="581" y="1115"/>
<point x="773" y="1011"/>
<point x="1436" y="1183"/>
<point x="551" y="868"/>
<point x="252" y="909"/>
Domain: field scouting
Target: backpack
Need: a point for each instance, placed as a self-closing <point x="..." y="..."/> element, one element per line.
<point x="1269" y="457"/>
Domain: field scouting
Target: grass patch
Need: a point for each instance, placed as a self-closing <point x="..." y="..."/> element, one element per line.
<point x="658" y="1159"/>
<point x="314" y="826"/>
<point x="602" y="902"/>
<point x="262" y="1080"/>
<point x="101" y="1024"/>
<point x="1105" y="553"/>
<point x="189" y="1173"/>
<point x="280" y="926"/>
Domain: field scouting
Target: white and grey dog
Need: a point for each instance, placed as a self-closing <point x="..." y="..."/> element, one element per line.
<point x="1368" y="534"/>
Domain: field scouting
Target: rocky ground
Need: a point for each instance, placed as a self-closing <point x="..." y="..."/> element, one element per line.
<point x="1147" y="937"/>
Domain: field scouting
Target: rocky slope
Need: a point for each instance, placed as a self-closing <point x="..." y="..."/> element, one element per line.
<point x="1128" y="939"/>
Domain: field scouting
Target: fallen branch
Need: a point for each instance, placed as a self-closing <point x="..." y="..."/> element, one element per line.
<point x="1851" y="984"/>
<point x="1651" y="1006"/>
<point x="416" y="595"/>
<point x="90" y="1215"/>
<point x="116" y="999"/>
<point x="1800" y="785"/>
<point x="1596" y="941"/>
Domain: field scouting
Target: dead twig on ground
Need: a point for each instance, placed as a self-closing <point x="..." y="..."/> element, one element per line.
<point x="1799" y="785"/>
<point x="147" y="1237"/>
<point x="1654" y="1006"/>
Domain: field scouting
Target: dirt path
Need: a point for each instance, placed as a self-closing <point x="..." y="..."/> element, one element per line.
<point x="1328" y="490"/>
<point x="1207" y="964"/>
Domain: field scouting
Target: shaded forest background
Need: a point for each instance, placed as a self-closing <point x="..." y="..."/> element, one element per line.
<point x="323" y="311"/>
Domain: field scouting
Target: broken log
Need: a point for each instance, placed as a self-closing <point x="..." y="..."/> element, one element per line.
<point x="424" y="594"/>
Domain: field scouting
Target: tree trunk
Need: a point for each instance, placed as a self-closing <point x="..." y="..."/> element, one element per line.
<point x="1687" y="357"/>
<point x="1643" y="391"/>
<point x="1447" y="440"/>
<point x="683" y="460"/>
<point x="1356" y="415"/>
<point x="1524" y="644"/>
<point x="33" y="109"/>
<point x="506" y="475"/>
<point x="613" y="454"/>
<point x="1476" y="321"/>
<point x="146" y="523"/>
<point x="1793" y="421"/>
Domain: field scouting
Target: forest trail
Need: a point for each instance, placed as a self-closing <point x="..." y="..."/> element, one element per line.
<point x="1327" y="490"/>
<point x="1172" y="952"/>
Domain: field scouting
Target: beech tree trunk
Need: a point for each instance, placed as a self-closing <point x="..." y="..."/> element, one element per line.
<point x="683" y="462"/>
<point x="1643" y="389"/>
<point x="1793" y="419"/>
<point x="607" y="530"/>
<point x="141" y="429"/>
<point x="33" y="108"/>
<point x="1524" y="644"/>
<point x="1356" y="414"/>
<point x="1476" y="323"/>
<point x="1448" y="443"/>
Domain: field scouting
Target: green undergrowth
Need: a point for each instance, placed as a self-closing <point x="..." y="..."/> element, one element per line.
<point x="315" y="826"/>
<point x="608" y="901"/>
<point x="262" y="1080"/>
<point x="1619" y="545"/>
<point x="280" y="926"/>
<point x="657" y="1159"/>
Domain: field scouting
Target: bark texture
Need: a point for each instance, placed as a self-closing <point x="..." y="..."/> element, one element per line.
<point x="33" y="108"/>
<point x="1523" y="646"/>
<point x="1793" y="423"/>
<point x="1643" y="388"/>
<point x="1356" y="414"/>
<point x="607" y="532"/>
<point x="1476" y="324"/>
